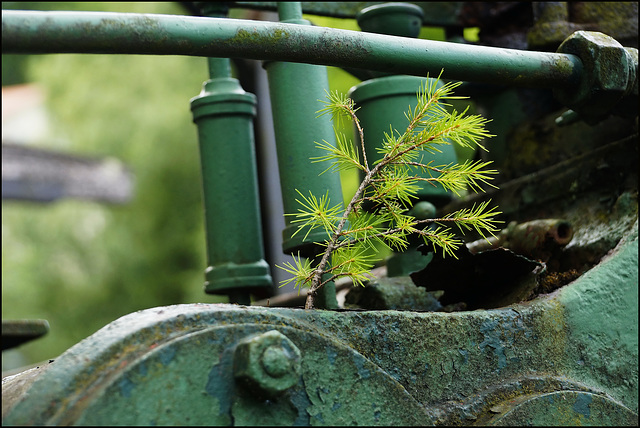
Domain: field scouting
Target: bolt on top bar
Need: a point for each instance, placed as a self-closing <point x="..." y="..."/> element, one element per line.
<point x="30" y="32"/>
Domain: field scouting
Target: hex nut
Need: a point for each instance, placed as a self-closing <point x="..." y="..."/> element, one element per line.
<point x="267" y="364"/>
<point x="609" y="73"/>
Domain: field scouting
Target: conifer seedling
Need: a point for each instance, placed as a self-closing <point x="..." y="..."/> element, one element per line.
<point x="390" y="185"/>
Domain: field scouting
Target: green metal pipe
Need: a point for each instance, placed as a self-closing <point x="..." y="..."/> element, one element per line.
<point x="30" y="32"/>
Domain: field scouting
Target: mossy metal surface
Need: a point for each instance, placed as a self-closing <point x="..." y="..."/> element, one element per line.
<point x="174" y="363"/>
<point x="603" y="346"/>
<point x="115" y="33"/>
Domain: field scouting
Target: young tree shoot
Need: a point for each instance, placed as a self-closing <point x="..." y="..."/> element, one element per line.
<point x="390" y="185"/>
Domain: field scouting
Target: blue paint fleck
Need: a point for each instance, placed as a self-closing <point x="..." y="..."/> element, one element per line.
<point x="331" y="355"/>
<point x="142" y="369"/>
<point x="395" y="327"/>
<point x="301" y="402"/>
<point x="126" y="386"/>
<point x="166" y="354"/>
<point x="362" y="372"/>
<point x="465" y="356"/>
<point x="582" y="405"/>
<point x="336" y="406"/>
<point x="395" y="374"/>
<point x="320" y="391"/>
<point x="220" y="381"/>
<point x="376" y="413"/>
<point x="499" y="334"/>
<point x="492" y="339"/>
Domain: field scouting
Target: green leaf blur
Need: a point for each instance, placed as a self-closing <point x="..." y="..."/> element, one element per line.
<point x="82" y="264"/>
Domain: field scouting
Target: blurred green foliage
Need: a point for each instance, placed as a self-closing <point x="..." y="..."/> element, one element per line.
<point x="82" y="264"/>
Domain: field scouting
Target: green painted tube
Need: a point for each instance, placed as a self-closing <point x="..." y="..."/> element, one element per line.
<point x="223" y="113"/>
<point x="295" y="90"/>
<point x="124" y="33"/>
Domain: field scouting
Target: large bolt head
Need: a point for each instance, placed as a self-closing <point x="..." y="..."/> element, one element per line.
<point x="608" y="74"/>
<point x="268" y="364"/>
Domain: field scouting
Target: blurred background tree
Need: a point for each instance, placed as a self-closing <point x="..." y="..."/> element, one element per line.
<point x="82" y="264"/>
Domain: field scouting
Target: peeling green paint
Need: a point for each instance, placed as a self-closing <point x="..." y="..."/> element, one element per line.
<point x="605" y="352"/>
<point x="466" y="367"/>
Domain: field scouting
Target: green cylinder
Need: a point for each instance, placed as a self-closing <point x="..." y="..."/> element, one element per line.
<point x="295" y="90"/>
<point x="224" y="115"/>
<point x="383" y="102"/>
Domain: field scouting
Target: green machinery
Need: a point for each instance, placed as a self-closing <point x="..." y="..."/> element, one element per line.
<point x="563" y="353"/>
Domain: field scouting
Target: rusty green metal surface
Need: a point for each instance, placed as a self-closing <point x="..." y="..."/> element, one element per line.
<point x="603" y="346"/>
<point x="175" y="364"/>
<point x="591" y="73"/>
<point x="610" y="74"/>
<point x="224" y="113"/>
<point x="267" y="364"/>
<point x="569" y="358"/>
<point x="397" y="19"/>
<point x="564" y="408"/>
<point x="115" y="33"/>
<point x="555" y="21"/>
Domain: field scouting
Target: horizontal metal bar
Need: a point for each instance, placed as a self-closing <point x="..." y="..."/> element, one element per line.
<point x="29" y="32"/>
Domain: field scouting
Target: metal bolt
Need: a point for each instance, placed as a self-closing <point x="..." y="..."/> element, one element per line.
<point x="609" y="75"/>
<point x="268" y="364"/>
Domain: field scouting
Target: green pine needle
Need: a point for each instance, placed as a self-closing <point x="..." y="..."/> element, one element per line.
<point x="353" y="235"/>
<point x="316" y="213"/>
<point x="301" y="271"/>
